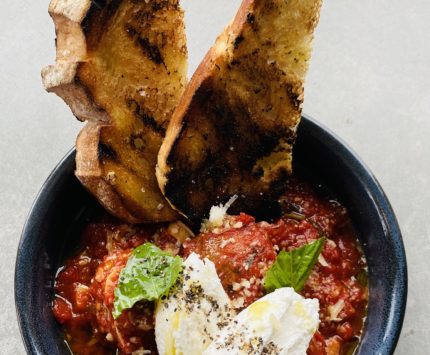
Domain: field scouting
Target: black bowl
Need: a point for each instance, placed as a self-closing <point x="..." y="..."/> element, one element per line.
<point x="62" y="203"/>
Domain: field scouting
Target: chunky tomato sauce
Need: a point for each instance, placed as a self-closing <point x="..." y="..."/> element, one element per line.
<point x="85" y="290"/>
<point x="242" y="250"/>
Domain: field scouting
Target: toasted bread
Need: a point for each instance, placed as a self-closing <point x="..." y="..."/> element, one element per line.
<point x="121" y="66"/>
<point x="234" y="128"/>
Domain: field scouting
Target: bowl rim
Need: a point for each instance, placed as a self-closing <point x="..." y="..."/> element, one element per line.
<point x="21" y="305"/>
<point x="400" y="286"/>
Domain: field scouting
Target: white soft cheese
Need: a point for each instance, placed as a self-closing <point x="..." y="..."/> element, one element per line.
<point x="186" y="321"/>
<point x="282" y="322"/>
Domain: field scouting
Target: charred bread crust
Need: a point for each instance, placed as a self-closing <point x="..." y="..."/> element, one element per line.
<point x="120" y="66"/>
<point x="234" y="128"/>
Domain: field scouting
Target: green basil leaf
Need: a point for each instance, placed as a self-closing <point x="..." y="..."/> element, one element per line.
<point x="148" y="275"/>
<point x="292" y="269"/>
<point x="363" y="278"/>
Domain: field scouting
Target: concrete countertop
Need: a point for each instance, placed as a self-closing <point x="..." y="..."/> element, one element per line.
<point x="369" y="82"/>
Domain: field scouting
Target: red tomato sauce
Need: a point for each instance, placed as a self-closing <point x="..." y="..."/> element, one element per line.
<point x="242" y="250"/>
<point x="85" y="290"/>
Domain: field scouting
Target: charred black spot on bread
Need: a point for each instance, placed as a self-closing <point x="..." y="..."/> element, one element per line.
<point x="98" y="19"/>
<point x="250" y="18"/>
<point x="214" y="167"/>
<point x="151" y="51"/>
<point x="226" y="121"/>
<point x="258" y="173"/>
<point x="106" y="152"/>
<point x="268" y="141"/>
<point x="140" y="113"/>
<point x="157" y="6"/>
<point x="238" y="41"/>
<point x="131" y="31"/>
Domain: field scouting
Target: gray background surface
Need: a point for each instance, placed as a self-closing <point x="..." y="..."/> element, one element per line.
<point x="369" y="82"/>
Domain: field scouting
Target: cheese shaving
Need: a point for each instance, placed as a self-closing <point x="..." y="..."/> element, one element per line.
<point x="335" y="309"/>
<point x="217" y="214"/>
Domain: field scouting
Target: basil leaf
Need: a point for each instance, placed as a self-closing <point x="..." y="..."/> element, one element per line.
<point x="292" y="269"/>
<point x="363" y="278"/>
<point x="148" y="275"/>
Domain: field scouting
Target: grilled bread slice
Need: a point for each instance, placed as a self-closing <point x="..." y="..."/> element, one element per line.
<point x="234" y="128"/>
<point x="121" y="66"/>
